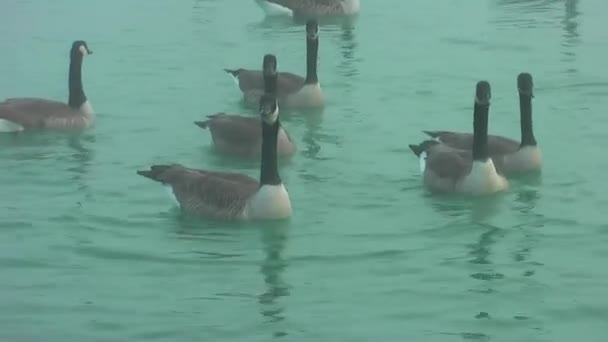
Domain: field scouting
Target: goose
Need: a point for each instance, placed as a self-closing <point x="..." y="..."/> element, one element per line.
<point x="232" y="196"/>
<point x="309" y="8"/>
<point x="511" y="157"/>
<point x="293" y="91"/>
<point x="240" y="135"/>
<point x="27" y="113"/>
<point x="449" y="170"/>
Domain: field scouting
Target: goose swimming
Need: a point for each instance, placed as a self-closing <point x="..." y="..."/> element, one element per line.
<point x="21" y="114"/>
<point x="309" y="8"/>
<point x="228" y="195"/>
<point x="241" y="136"/>
<point x="450" y="170"/>
<point x="293" y="91"/>
<point x="511" y="156"/>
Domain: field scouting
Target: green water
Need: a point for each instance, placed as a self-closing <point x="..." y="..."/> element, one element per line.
<point x="89" y="251"/>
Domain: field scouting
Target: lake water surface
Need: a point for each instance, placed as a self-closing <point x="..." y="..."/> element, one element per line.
<point x="89" y="251"/>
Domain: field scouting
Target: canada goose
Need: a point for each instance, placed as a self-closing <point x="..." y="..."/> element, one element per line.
<point x="293" y="91"/>
<point x="511" y="156"/>
<point x="241" y="136"/>
<point x="232" y="196"/>
<point x="20" y="114"/>
<point x="471" y="172"/>
<point x="309" y="7"/>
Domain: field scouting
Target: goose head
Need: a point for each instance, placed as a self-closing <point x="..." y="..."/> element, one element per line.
<point x="269" y="109"/>
<point x="269" y="65"/>
<point x="483" y="93"/>
<point x="80" y="49"/>
<point x="525" y="85"/>
<point x="312" y="30"/>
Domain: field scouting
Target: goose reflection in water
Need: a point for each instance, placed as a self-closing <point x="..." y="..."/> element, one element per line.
<point x="274" y="239"/>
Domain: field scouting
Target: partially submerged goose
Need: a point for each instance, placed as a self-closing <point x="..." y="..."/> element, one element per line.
<point x="449" y="170"/>
<point x="293" y="91"/>
<point x="20" y="114"/>
<point x="511" y="156"/>
<point x="309" y="8"/>
<point x="241" y="136"/>
<point x="232" y="196"/>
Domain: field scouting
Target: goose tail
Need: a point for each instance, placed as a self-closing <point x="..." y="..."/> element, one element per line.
<point x="202" y="124"/>
<point x="234" y="74"/>
<point x="417" y="149"/>
<point x="156" y="173"/>
<point x="432" y="134"/>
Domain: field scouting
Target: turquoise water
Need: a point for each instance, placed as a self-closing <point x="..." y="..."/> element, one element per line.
<point x="89" y="251"/>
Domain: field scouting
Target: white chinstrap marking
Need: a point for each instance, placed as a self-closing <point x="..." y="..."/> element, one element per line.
<point x="83" y="50"/>
<point x="273" y="117"/>
<point x="422" y="162"/>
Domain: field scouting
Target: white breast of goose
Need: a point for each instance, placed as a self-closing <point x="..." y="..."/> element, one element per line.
<point x="269" y="202"/>
<point x="351" y="6"/>
<point x="308" y="95"/>
<point x="525" y="159"/>
<point x="483" y="179"/>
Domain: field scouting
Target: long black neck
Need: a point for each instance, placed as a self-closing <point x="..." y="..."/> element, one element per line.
<point x="269" y="172"/>
<point x="480" y="132"/>
<point x="270" y="83"/>
<point x="312" y="49"/>
<point x="525" y="107"/>
<point x="77" y="96"/>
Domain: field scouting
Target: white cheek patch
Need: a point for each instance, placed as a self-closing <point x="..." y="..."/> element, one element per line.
<point x="422" y="162"/>
<point x="83" y="50"/>
<point x="272" y="118"/>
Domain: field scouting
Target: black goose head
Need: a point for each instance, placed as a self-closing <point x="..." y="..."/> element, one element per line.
<point x="483" y="93"/>
<point x="269" y="109"/>
<point x="269" y="71"/>
<point x="269" y="64"/>
<point x="80" y="49"/>
<point x="312" y="30"/>
<point x="525" y="84"/>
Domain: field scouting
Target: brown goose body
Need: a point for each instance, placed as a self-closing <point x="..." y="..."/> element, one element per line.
<point x="310" y="8"/>
<point x="241" y="136"/>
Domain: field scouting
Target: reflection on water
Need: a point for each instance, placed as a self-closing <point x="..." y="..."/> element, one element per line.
<point x="83" y="158"/>
<point x="274" y="239"/>
<point x="478" y="210"/>
<point x="571" y="38"/>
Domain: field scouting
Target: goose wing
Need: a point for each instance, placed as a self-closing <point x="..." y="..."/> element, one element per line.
<point x="32" y="112"/>
<point x="496" y="144"/>
<point x="218" y="195"/>
<point x="253" y="80"/>
<point x="310" y="6"/>
<point x="234" y="128"/>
